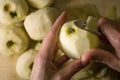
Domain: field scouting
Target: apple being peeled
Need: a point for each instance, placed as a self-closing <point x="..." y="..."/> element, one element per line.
<point x="13" y="11"/>
<point x="13" y="40"/>
<point x="38" y="23"/>
<point x="40" y="3"/>
<point x="75" y="41"/>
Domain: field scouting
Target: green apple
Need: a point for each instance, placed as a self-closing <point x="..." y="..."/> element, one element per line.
<point x="75" y="41"/>
<point x="13" y="11"/>
<point x="24" y="64"/>
<point x="38" y="23"/>
<point x="13" y="40"/>
<point x="40" y="3"/>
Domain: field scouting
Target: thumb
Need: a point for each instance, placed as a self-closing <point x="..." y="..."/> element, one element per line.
<point x="102" y="56"/>
<point x="111" y="30"/>
<point x="68" y="71"/>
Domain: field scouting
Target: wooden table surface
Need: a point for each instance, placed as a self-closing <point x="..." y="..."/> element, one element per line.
<point x="7" y="64"/>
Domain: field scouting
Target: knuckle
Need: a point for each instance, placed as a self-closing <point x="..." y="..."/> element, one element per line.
<point x="59" y="76"/>
<point x="117" y="42"/>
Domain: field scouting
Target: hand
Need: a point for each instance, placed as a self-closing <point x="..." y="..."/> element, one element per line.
<point x="109" y="29"/>
<point x="45" y="68"/>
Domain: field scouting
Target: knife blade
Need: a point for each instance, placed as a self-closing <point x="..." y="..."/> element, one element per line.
<point x="82" y="25"/>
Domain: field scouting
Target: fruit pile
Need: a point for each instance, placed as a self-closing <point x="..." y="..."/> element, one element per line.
<point x="23" y="27"/>
<point x="24" y="24"/>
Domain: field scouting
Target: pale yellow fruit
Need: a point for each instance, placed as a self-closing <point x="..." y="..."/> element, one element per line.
<point x="37" y="46"/>
<point x="58" y="54"/>
<point x="13" y="40"/>
<point x="24" y="64"/>
<point x="40" y="3"/>
<point x="75" y="41"/>
<point x="13" y="11"/>
<point x="38" y="23"/>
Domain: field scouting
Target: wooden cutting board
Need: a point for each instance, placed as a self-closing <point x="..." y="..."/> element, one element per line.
<point x="7" y="64"/>
<point x="7" y="68"/>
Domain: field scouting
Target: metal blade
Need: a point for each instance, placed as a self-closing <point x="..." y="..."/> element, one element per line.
<point x="82" y="25"/>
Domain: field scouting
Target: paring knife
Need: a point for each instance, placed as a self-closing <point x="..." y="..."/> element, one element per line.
<point x="82" y="25"/>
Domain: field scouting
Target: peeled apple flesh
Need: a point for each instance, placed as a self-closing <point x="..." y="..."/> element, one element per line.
<point x="40" y="3"/>
<point x="13" y="40"/>
<point x="24" y="63"/>
<point x="38" y="23"/>
<point x="75" y="41"/>
<point x="13" y="11"/>
<point x="37" y="46"/>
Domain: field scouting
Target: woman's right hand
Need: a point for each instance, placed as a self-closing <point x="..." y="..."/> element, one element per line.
<point x="107" y="27"/>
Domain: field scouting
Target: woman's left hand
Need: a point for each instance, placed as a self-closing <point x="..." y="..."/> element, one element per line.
<point x="45" y="68"/>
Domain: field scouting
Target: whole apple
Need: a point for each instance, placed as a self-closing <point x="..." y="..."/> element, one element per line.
<point x="24" y="63"/>
<point x="40" y="3"/>
<point x="13" y="11"/>
<point x="38" y="23"/>
<point x="13" y="40"/>
<point x="75" y="41"/>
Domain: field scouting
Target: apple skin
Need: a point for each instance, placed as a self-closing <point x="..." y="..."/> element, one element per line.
<point x="24" y="63"/>
<point x="14" y="40"/>
<point x="75" y="41"/>
<point x="38" y="23"/>
<point x="13" y="11"/>
<point x="40" y="3"/>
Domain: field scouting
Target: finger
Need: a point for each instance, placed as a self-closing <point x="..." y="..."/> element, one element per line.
<point x="109" y="30"/>
<point x="42" y="58"/>
<point x="103" y="57"/>
<point x="49" y="42"/>
<point x="61" y="61"/>
<point x="69" y="70"/>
